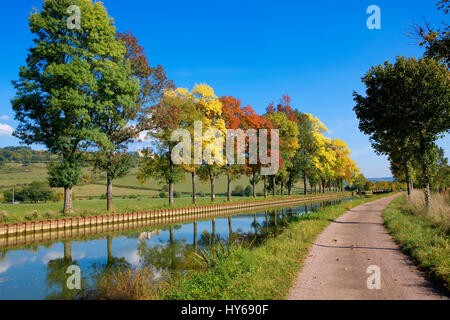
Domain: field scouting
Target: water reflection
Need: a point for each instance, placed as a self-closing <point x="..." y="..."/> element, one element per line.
<point x="39" y="271"/>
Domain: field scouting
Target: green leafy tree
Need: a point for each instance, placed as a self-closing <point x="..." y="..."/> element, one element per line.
<point x="59" y="90"/>
<point x="302" y="160"/>
<point x="2" y="161"/>
<point x="406" y="105"/>
<point x="163" y="119"/>
<point x="136" y="85"/>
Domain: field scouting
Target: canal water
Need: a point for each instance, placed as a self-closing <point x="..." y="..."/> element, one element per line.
<point x="39" y="271"/>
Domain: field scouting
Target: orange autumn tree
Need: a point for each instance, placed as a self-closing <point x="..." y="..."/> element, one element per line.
<point x="232" y="115"/>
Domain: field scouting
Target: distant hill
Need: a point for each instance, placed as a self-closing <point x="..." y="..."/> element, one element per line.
<point x="381" y="179"/>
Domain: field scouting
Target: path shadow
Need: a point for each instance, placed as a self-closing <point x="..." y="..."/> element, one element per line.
<point x="353" y="222"/>
<point x="354" y="247"/>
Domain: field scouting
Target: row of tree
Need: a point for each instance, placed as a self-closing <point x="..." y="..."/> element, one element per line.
<point x="304" y="152"/>
<point x="93" y="90"/>
<point x="23" y="155"/>
<point x="35" y="192"/>
<point x="83" y="89"/>
<point x="406" y="108"/>
<point x="361" y="183"/>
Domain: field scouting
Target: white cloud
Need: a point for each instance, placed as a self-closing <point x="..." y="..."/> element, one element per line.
<point x="4" y="266"/>
<point x="6" y="130"/>
<point x="8" y="263"/>
<point x="52" y="255"/>
<point x="5" y="118"/>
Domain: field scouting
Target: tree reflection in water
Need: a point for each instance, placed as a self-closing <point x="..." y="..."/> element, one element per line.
<point x="174" y="256"/>
<point x="56" y="278"/>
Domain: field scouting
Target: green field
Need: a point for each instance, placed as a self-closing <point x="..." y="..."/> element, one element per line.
<point x="14" y="175"/>
<point x="128" y="194"/>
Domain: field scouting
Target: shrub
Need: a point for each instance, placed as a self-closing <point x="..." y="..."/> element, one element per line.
<point x="49" y="215"/>
<point x="177" y="194"/>
<point x="201" y="193"/>
<point x="248" y="191"/>
<point x="238" y="191"/>
<point x="126" y="284"/>
<point x="103" y="196"/>
<point x="57" y="196"/>
<point x="3" y="216"/>
<point x="163" y="194"/>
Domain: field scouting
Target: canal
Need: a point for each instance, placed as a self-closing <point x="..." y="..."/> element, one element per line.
<point x="38" y="271"/>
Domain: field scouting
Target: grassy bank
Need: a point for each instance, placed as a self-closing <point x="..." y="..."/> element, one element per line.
<point x="422" y="236"/>
<point x="264" y="272"/>
<point x="52" y="210"/>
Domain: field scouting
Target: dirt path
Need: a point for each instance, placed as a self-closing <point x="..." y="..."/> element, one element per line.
<point x="336" y="267"/>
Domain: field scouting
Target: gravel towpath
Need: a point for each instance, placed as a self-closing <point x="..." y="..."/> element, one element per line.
<point x="336" y="267"/>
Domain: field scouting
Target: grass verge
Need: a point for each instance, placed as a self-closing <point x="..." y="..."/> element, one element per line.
<point x="264" y="272"/>
<point x="426" y="242"/>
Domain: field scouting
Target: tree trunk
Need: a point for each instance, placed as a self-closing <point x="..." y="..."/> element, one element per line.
<point x="68" y="251"/>
<point x="213" y="195"/>
<point x="172" y="235"/>
<point x="68" y="208"/>
<point x="427" y="195"/>
<point x="228" y="188"/>
<point x="254" y="184"/>
<point x="230" y="228"/>
<point x="282" y="187"/>
<point x="171" y="192"/>
<point x="289" y="189"/>
<point x="213" y="228"/>
<point x="408" y="179"/>
<point x="171" y="182"/>
<point x="108" y="194"/>
<point x="305" y="186"/>
<point x="267" y="220"/>
<point x="274" y="186"/>
<point x="194" y="188"/>
<point x="426" y="176"/>
<point x="109" y="248"/>
<point x="195" y="235"/>
<point x="265" y="187"/>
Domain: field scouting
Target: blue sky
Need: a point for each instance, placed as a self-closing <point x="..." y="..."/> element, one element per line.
<point x="315" y="51"/>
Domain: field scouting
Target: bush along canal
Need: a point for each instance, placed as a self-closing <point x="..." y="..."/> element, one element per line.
<point x="186" y="260"/>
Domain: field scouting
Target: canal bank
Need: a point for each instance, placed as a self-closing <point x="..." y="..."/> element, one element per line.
<point x="38" y="270"/>
<point x="87" y="225"/>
